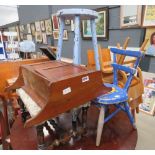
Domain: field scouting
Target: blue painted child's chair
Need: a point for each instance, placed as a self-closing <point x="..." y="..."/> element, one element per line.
<point x="118" y="96"/>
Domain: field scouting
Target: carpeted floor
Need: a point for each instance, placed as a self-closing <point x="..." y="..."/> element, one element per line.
<point x="146" y="132"/>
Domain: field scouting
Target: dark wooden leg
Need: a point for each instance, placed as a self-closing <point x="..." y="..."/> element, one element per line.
<point x="40" y="137"/>
<point x="84" y="116"/>
<point x="133" y="111"/>
<point x="137" y="110"/>
<point x="23" y="110"/>
<point x="74" y="120"/>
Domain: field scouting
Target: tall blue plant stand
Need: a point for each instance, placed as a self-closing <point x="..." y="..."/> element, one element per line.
<point x="77" y="15"/>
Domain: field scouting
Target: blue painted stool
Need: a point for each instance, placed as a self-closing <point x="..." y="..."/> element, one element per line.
<point x="77" y="15"/>
<point x="118" y="96"/>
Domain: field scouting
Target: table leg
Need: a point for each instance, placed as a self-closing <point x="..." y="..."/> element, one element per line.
<point x="74" y="120"/>
<point x="84" y="117"/>
<point x="40" y="137"/>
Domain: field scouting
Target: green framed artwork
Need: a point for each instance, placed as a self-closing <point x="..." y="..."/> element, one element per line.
<point x="101" y="25"/>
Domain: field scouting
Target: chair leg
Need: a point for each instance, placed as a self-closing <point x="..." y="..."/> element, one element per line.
<point x="100" y="125"/>
<point x="131" y="118"/>
<point x="133" y="111"/>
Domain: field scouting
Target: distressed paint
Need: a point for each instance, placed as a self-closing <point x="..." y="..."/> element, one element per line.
<point x="94" y="39"/>
<point x="119" y="96"/>
<point x="77" y="44"/>
<point x="77" y="15"/>
<point x="60" y="41"/>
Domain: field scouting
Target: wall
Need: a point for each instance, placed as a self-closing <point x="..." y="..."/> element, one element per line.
<point x="29" y="14"/>
<point x="32" y="13"/>
<point x="115" y="33"/>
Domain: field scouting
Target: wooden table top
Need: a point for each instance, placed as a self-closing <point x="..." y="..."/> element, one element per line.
<point x="117" y="133"/>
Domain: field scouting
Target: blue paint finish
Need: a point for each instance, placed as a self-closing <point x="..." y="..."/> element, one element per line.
<point x="111" y="115"/>
<point x="60" y="40"/>
<point x="124" y="68"/>
<point x="119" y="96"/>
<point x="77" y="15"/>
<point x="127" y="52"/>
<point x="94" y="39"/>
<point x="77" y="44"/>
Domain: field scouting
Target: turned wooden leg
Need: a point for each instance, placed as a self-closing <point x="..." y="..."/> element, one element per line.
<point x="23" y="110"/>
<point x="137" y="110"/>
<point x="74" y="120"/>
<point x="133" y="111"/>
<point x="100" y="126"/>
<point x="84" y="116"/>
<point x="40" y="137"/>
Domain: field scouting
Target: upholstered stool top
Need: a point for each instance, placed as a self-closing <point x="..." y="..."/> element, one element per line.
<point x="85" y="14"/>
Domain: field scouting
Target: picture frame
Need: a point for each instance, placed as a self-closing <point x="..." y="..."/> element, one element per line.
<point x="148" y="106"/>
<point x="48" y="26"/>
<point x="28" y="28"/>
<point x="149" y="16"/>
<point x="56" y="35"/>
<point x="55" y="22"/>
<point x="42" y="25"/>
<point x="44" y="38"/>
<point x="13" y="29"/>
<point x="150" y="48"/>
<point x="38" y="36"/>
<point x="18" y="32"/>
<point x="33" y="29"/>
<point x="130" y="18"/>
<point x="29" y="37"/>
<point x="37" y="26"/>
<point x="72" y="25"/>
<point x="101" y="25"/>
<point x="67" y="22"/>
<point x="21" y="30"/>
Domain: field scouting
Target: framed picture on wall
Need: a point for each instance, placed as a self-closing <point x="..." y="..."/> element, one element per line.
<point x="101" y="25"/>
<point x="12" y="29"/>
<point x="56" y="35"/>
<point x="72" y="25"/>
<point x="38" y="36"/>
<point x="150" y="46"/>
<point x="67" y="22"/>
<point x="42" y="25"/>
<point x="130" y="16"/>
<point x="44" y="38"/>
<point x="37" y="25"/>
<point x="18" y="32"/>
<point x="55" y="22"/>
<point x="148" y="105"/>
<point x="29" y="37"/>
<point x="28" y="29"/>
<point x="33" y="29"/>
<point x="48" y="26"/>
<point x="149" y="16"/>
<point x="21" y="29"/>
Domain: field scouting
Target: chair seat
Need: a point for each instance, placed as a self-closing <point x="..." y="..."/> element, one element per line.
<point x="117" y="95"/>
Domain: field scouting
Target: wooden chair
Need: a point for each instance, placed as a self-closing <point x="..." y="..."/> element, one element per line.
<point x="105" y="61"/>
<point x="118" y="96"/>
<point x="4" y="125"/>
<point x="136" y="88"/>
